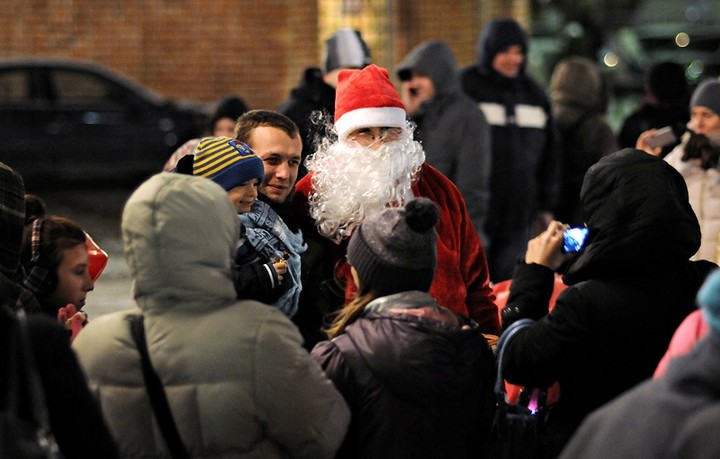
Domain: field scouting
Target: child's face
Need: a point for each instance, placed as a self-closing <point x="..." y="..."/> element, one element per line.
<point x="243" y="196"/>
<point x="73" y="278"/>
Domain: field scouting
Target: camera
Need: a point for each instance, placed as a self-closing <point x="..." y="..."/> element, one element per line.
<point x="574" y="239"/>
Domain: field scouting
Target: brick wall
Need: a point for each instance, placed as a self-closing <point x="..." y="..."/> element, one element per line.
<point x="203" y="50"/>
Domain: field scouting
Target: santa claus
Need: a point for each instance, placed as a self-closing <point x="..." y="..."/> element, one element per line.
<point x="374" y="163"/>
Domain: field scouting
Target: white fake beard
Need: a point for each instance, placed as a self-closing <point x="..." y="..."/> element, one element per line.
<point x="351" y="182"/>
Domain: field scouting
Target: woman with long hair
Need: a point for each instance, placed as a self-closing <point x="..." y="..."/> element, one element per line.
<point x="417" y="376"/>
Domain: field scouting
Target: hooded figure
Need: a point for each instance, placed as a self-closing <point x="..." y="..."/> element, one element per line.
<point x="628" y="290"/>
<point x="579" y="97"/>
<point x="454" y="134"/>
<point x="237" y="379"/>
<point x="525" y="155"/>
<point x="671" y="417"/>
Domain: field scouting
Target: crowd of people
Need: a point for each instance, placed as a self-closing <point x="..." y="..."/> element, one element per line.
<point x="319" y="280"/>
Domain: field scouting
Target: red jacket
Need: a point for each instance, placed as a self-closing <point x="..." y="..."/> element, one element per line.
<point x="462" y="281"/>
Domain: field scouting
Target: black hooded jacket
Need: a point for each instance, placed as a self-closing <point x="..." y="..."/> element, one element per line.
<point x="311" y="106"/>
<point x="628" y="291"/>
<point x="525" y="161"/>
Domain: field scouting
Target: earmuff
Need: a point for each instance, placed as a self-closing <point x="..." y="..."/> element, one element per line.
<point x="40" y="280"/>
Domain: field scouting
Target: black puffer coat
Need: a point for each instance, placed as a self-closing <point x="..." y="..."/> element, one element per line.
<point x="673" y="417"/>
<point x="628" y="291"/>
<point x="417" y="386"/>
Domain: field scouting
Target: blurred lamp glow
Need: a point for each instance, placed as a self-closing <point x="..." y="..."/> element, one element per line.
<point x="682" y="39"/>
<point x="610" y="59"/>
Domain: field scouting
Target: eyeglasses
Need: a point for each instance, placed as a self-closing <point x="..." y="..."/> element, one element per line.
<point x="368" y="138"/>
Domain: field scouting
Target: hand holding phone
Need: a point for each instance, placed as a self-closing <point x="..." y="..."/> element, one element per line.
<point x="661" y="138"/>
<point x="574" y="239"/>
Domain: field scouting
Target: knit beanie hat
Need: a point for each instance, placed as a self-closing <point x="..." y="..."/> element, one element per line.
<point x="12" y="218"/>
<point x="227" y="162"/>
<point x="367" y="98"/>
<point x="707" y="95"/>
<point x="345" y="49"/>
<point x="708" y="298"/>
<point x="394" y="251"/>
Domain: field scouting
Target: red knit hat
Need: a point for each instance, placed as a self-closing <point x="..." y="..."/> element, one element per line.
<point x="367" y="98"/>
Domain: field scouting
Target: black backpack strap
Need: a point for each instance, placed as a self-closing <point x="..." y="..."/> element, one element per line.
<point x="156" y="392"/>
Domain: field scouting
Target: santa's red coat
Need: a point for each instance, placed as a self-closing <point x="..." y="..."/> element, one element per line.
<point x="461" y="281"/>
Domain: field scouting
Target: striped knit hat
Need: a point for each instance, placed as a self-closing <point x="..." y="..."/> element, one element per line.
<point x="227" y="162"/>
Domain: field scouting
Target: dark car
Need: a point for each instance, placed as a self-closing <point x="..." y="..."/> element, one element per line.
<point x="68" y="120"/>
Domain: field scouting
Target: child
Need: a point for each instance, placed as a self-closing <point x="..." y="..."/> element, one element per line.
<point x="267" y="259"/>
<point x="61" y="265"/>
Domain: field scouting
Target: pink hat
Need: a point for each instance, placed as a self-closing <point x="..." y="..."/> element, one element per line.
<point x="367" y="98"/>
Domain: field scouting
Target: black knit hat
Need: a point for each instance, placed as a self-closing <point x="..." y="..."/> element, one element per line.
<point x="707" y="95"/>
<point x="12" y="218"/>
<point x="228" y="107"/>
<point x="394" y="251"/>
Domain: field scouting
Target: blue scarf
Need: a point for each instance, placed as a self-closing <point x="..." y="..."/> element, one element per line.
<point x="270" y="236"/>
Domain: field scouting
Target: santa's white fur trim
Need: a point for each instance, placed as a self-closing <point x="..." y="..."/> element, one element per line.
<point x="370" y="117"/>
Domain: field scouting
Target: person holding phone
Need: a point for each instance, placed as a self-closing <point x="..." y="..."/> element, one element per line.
<point x="453" y="132"/>
<point x="696" y="158"/>
<point x="627" y="290"/>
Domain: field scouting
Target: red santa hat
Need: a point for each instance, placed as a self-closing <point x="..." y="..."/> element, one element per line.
<point x="367" y="98"/>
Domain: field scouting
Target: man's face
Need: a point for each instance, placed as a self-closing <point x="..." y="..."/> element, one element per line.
<point x="281" y="156"/>
<point x="374" y="137"/>
<point x="509" y="61"/>
<point x="416" y="90"/>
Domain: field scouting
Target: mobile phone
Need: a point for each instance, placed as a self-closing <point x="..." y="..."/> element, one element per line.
<point x="661" y="137"/>
<point x="574" y="239"/>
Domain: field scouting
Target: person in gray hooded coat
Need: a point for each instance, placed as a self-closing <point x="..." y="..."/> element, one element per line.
<point x="454" y="133"/>
<point x="579" y="98"/>
<point x="238" y="382"/>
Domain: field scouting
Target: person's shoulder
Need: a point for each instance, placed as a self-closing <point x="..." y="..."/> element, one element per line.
<point x="42" y="327"/>
<point x="111" y="324"/>
<point x="471" y="80"/>
<point x="469" y="72"/>
<point x="534" y="89"/>
<point x="430" y="176"/>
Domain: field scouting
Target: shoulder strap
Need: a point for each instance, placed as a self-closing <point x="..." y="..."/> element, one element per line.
<point x="505" y="337"/>
<point x="25" y="362"/>
<point x="156" y="392"/>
